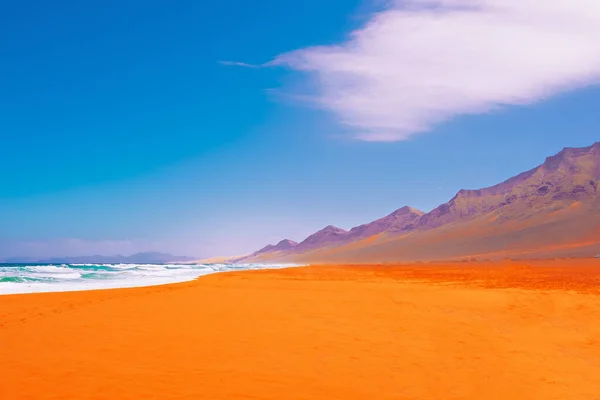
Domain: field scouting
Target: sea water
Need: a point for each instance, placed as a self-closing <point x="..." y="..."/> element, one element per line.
<point x="33" y="278"/>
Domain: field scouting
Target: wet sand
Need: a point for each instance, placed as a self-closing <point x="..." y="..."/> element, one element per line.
<point x="521" y="330"/>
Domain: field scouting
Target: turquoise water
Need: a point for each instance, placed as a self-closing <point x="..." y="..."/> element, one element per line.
<point x="31" y="278"/>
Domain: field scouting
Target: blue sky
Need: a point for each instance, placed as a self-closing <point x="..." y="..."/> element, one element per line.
<point x="123" y="131"/>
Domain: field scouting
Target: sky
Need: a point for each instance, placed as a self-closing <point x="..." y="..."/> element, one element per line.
<point x="214" y="128"/>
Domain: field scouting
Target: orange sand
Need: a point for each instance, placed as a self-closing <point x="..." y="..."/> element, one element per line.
<point x="437" y="331"/>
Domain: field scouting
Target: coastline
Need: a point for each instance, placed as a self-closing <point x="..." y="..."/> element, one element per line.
<point x="524" y="329"/>
<point x="54" y="278"/>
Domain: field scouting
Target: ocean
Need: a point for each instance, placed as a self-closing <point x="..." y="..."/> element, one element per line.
<point x="35" y="278"/>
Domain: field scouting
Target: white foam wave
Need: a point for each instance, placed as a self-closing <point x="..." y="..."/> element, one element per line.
<point x="54" y="278"/>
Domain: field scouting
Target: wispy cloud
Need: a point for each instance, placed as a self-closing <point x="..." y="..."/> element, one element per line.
<point x="422" y="62"/>
<point x="239" y="64"/>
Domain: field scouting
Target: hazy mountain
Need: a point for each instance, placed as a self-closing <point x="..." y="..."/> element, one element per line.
<point x="269" y="250"/>
<point x="139" y="258"/>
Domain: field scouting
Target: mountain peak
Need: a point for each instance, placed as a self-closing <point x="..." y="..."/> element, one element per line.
<point x="332" y="228"/>
<point x="403" y="219"/>
<point x="285" y="244"/>
<point x="328" y="234"/>
<point x="464" y="193"/>
<point x="407" y="210"/>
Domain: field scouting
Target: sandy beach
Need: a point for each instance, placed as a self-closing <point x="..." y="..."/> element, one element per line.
<point x="513" y="330"/>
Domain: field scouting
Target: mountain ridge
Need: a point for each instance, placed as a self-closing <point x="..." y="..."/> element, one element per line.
<point x="561" y="184"/>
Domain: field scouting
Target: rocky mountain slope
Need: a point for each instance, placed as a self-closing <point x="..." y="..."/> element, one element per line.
<point x="572" y="174"/>
<point x="550" y="210"/>
<point x="401" y="220"/>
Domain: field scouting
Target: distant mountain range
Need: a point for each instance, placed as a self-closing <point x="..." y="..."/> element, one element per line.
<point x="139" y="258"/>
<point x="552" y="210"/>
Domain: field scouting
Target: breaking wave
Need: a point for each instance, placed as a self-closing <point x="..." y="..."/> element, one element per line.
<point x="21" y="278"/>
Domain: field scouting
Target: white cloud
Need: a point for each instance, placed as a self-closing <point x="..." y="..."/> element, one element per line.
<point x="423" y="62"/>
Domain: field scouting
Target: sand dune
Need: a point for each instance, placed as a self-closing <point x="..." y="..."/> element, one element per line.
<point x="435" y="331"/>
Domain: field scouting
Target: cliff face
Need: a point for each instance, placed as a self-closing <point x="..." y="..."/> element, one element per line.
<point x="549" y="210"/>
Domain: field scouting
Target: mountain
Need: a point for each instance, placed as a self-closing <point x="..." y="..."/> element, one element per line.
<point x="550" y="210"/>
<point x="285" y="244"/>
<point x="18" y="260"/>
<point x="328" y="235"/>
<point x="403" y="219"/>
<point x="139" y="258"/>
<point x="265" y="249"/>
<point x="269" y="251"/>
<point x="217" y="260"/>
<point x="572" y="174"/>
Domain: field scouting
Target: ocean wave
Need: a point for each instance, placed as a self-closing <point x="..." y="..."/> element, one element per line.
<point x="19" y="279"/>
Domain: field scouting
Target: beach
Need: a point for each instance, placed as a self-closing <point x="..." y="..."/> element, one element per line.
<point x="505" y="330"/>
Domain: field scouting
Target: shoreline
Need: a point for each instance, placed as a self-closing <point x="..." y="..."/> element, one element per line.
<point x="465" y="265"/>
<point x="142" y="279"/>
<point x="515" y="330"/>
